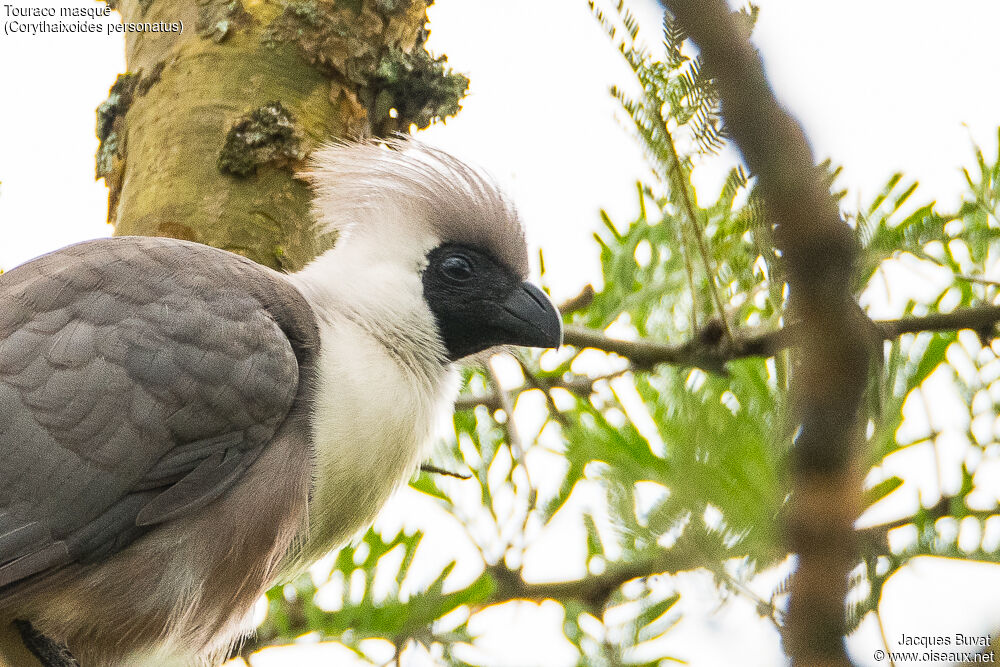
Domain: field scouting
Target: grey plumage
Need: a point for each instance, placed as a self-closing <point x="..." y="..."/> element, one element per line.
<point x="182" y="428"/>
<point x="138" y="382"/>
<point x="139" y="379"/>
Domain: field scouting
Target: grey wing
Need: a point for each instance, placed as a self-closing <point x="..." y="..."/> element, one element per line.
<point x="138" y="379"/>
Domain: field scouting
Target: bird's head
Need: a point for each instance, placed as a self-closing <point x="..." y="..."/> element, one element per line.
<point x="420" y="225"/>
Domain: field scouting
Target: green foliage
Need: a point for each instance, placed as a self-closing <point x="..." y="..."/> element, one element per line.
<point x="675" y="468"/>
<point x="360" y="608"/>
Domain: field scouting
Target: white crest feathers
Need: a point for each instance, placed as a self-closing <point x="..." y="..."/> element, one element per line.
<point x="360" y="183"/>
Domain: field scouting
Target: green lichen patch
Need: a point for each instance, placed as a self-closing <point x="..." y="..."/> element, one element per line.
<point x="123" y="92"/>
<point x="118" y="102"/>
<point x="109" y="123"/>
<point x="340" y="39"/>
<point x="413" y="89"/>
<point x="107" y="151"/>
<point x="218" y="19"/>
<point x="265" y="135"/>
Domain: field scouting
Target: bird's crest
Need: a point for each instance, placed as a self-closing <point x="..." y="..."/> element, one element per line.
<point x="356" y="183"/>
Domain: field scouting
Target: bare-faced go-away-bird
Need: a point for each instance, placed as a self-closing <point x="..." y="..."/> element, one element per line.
<point x="182" y="428"/>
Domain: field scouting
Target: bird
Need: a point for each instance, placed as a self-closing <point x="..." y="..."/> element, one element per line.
<point x="183" y="428"/>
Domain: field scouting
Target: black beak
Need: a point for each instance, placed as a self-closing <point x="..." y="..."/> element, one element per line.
<point x="530" y="319"/>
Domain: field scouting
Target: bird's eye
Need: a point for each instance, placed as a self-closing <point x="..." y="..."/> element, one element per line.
<point x="457" y="268"/>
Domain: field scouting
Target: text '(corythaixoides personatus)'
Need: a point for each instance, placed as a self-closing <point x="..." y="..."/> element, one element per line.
<point x="38" y="21"/>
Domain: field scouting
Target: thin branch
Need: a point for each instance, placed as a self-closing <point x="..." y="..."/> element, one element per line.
<point x="48" y="652"/>
<point x="518" y="453"/>
<point x="682" y="183"/>
<point x="468" y="402"/>
<point x="702" y="352"/>
<point x="977" y="279"/>
<point x="592" y="590"/>
<point x="434" y="470"/>
<point x="535" y="383"/>
<point x="689" y="270"/>
<point x="709" y="354"/>
<point x="644" y="353"/>
<point x="513" y="437"/>
<point x="877" y="537"/>
<point x="579" y="385"/>
<point x="686" y="251"/>
<point x="885" y="639"/>
<point x="578" y="302"/>
<point x="978" y="318"/>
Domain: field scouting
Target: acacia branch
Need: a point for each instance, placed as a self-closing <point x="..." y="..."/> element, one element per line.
<point x="711" y="353"/>
<point x="593" y="590"/>
<point x="981" y="319"/>
<point x="432" y="469"/>
<point x="578" y="302"/>
<point x="834" y="349"/>
<point x="582" y="386"/>
<point x="704" y="352"/>
<point x="877" y="536"/>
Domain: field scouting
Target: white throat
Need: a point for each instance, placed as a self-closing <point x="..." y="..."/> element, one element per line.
<point x="383" y="383"/>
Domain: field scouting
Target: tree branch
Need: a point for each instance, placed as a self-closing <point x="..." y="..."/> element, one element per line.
<point x="578" y="302"/>
<point x="592" y="590"/>
<point x="432" y="469"/>
<point x="580" y="385"/>
<point x="705" y="350"/>
<point x="709" y="355"/>
<point x="712" y="355"/>
<point x="834" y="350"/>
<point x="48" y="652"/>
<point x="981" y="319"/>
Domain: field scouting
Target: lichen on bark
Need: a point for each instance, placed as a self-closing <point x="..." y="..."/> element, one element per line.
<point x="111" y="110"/>
<point x="266" y="134"/>
<point x="396" y="79"/>
<point x="419" y="87"/>
<point x="109" y="161"/>
<point x="338" y="38"/>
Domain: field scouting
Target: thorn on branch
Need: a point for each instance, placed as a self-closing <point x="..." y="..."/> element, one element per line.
<point x="434" y="470"/>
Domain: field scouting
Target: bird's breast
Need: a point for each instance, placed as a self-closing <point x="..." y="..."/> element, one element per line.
<point x="373" y="419"/>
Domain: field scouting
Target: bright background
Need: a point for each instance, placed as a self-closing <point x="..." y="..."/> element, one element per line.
<point x="880" y="86"/>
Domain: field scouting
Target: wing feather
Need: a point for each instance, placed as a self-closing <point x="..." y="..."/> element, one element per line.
<point x="139" y="378"/>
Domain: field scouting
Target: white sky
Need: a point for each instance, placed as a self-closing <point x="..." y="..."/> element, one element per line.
<point x="879" y="85"/>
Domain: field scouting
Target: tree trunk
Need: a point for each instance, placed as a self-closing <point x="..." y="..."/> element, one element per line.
<point x="202" y="137"/>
